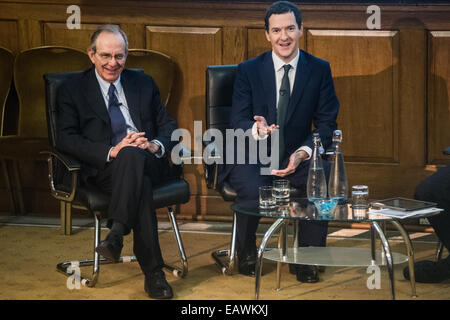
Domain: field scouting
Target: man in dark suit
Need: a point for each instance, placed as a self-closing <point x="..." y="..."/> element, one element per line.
<point x="436" y="188"/>
<point x="113" y="121"/>
<point x="288" y="90"/>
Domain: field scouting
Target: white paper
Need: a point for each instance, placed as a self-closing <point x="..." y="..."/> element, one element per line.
<point x="405" y="214"/>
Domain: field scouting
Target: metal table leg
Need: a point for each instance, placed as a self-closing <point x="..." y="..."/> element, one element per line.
<point x="372" y="243"/>
<point x="282" y="241"/>
<point x="387" y="250"/>
<point x="410" y="252"/>
<point x="261" y="249"/>
<point x="439" y="249"/>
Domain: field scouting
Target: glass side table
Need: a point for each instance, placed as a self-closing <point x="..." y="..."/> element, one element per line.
<point x="301" y="209"/>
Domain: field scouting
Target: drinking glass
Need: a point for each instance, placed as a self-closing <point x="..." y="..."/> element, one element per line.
<point x="360" y="197"/>
<point x="266" y="199"/>
<point x="281" y="191"/>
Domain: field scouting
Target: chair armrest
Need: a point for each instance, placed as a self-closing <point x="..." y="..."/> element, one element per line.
<point x="69" y="162"/>
<point x="71" y="165"/>
<point x="184" y="156"/>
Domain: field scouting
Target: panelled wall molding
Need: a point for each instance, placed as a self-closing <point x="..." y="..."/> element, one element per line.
<point x="393" y="84"/>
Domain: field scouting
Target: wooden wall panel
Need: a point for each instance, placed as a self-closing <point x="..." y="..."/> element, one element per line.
<point x="257" y="42"/>
<point x="234" y="45"/>
<point x="365" y="72"/>
<point x="438" y="96"/>
<point x="192" y="49"/>
<point x="58" y="34"/>
<point x="8" y="35"/>
<point x="29" y="34"/>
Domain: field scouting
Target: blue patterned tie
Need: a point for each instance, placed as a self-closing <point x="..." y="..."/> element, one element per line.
<point x="118" y="125"/>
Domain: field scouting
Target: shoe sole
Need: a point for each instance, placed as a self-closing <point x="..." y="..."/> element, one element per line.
<point x="157" y="297"/>
<point x="106" y="253"/>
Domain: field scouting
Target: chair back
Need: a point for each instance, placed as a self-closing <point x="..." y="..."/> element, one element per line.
<point x="156" y="64"/>
<point x="29" y="68"/>
<point x="52" y="83"/>
<point x="219" y="97"/>
<point x="6" y="72"/>
<point x="219" y="94"/>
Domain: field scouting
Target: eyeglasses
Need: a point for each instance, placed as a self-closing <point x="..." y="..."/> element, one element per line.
<point x="107" y="57"/>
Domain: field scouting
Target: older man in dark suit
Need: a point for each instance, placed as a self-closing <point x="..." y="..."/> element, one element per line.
<point x="113" y="121"/>
<point x="288" y="90"/>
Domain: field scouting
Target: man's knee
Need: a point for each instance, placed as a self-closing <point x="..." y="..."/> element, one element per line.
<point x="429" y="189"/>
<point x="130" y="153"/>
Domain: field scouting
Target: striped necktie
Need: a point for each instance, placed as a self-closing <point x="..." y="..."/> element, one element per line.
<point x="118" y="124"/>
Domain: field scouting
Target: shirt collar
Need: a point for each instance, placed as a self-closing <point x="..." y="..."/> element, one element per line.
<point x="104" y="85"/>
<point x="278" y="63"/>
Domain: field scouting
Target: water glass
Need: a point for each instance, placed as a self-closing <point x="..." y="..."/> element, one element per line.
<point x="266" y="199"/>
<point x="360" y="197"/>
<point x="281" y="191"/>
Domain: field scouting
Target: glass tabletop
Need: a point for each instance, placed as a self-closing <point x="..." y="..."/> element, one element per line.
<point x="302" y="209"/>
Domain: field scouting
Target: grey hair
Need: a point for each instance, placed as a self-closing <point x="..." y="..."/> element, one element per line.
<point x="111" y="28"/>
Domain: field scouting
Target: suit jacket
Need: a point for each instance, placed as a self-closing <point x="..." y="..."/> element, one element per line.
<point x="83" y="123"/>
<point x="313" y="102"/>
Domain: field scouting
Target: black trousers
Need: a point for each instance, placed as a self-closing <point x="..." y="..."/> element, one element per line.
<point x="129" y="179"/>
<point x="436" y="188"/>
<point x="246" y="179"/>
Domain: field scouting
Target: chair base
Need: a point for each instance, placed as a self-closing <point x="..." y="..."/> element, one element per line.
<point x="225" y="259"/>
<point x="72" y="268"/>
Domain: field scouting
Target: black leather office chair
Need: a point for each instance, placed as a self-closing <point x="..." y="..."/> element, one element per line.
<point x="88" y="197"/>
<point x="219" y="93"/>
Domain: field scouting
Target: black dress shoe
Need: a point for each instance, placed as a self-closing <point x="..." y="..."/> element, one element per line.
<point x="308" y="274"/>
<point x="292" y="269"/>
<point x="247" y="268"/>
<point x="111" y="247"/>
<point x="247" y="262"/>
<point x="157" y="286"/>
<point x="430" y="271"/>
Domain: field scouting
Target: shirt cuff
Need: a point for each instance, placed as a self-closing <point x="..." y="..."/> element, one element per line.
<point x="108" y="159"/>
<point x="307" y="149"/>
<point x="255" y="133"/>
<point x="161" y="151"/>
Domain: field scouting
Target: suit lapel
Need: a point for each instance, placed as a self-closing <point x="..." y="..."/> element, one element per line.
<point x="267" y="74"/>
<point x="301" y="79"/>
<point x="93" y="93"/>
<point x="131" y="91"/>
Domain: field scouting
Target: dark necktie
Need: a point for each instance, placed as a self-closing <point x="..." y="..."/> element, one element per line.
<point x="283" y="102"/>
<point x="118" y="125"/>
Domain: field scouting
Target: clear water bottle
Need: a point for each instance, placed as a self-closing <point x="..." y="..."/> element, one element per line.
<point x="337" y="186"/>
<point x="316" y="187"/>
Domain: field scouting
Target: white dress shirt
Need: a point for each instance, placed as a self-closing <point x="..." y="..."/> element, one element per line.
<point x="279" y="74"/>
